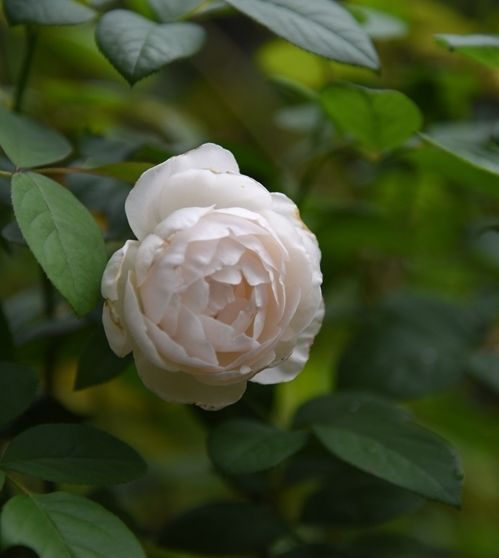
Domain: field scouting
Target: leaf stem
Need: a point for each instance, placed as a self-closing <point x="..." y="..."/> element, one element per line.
<point x="25" y="69"/>
<point x="5" y="173"/>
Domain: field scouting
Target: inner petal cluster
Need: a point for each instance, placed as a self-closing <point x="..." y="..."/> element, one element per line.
<point x="213" y="293"/>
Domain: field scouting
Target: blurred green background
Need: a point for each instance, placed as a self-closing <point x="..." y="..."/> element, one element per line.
<point x="415" y="219"/>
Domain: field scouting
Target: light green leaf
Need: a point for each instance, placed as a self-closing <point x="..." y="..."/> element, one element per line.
<point x="243" y="446"/>
<point x="472" y="142"/>
<point x="381" y="119"/>
<point x="137" y="47"/>
<point x="378" y="24"/>
<point x="47" y="12"/>
<point x="320" y="26"/>
<point x="62" y="235"/>
<point x="28" y="144"/>
<point x="170" y="10"/>
<point x="481" y="48"/>
<point x="72" y="453"/>
<point x="17" y="390"/>
<point x="399" y="452"/>
<point x="62" y="525"/>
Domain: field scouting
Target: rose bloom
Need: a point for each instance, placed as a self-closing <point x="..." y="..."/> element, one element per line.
<point x="222" y="286"/>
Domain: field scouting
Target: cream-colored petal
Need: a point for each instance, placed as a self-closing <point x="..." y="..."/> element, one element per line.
<point x="142" y="206"/>
<point x="117" y="336"/>
<point x="294" y="364"/>
<point x="179" y="387"/>
<point x="117" y="268"/>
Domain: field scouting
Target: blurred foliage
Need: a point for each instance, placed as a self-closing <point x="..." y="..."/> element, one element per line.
<point x="408" y="227"/>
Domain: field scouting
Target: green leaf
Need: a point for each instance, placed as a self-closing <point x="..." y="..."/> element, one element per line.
<point x="170" y="10"/>
<point x="2" y="480"/>
<point x="97" y="363"/>
<point x="408" y="346"/>
<point x="481" y="48"/>
<point x="224" y="528"/>
<point x="320" y="26"/>
<point x="17" y="390"/>
<point x="72" y="453"/>
<point x="47" y="12"/>
<point x="358" y="500"/>
<point x="28" y="144"/>
<point x="241" y="447"/>
<point x="380" y="119"/>
<point x="137" y="47"/>
<point x="62" y="235"/>
<point x="397" y="451"/>
<point x="484" y="367"/>
<point x="62" y="525"/>
<point x="328" y="408"/>
<point x="311" y="551"/>
<point x="472" y="142"/>
<point x="380" y="25"/>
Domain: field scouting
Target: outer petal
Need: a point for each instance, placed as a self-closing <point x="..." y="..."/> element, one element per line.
<point x="117" y="336"/>
<point x="142" y="203"/>
<point x="291" y="367"/>
<point x="178" y="387"/>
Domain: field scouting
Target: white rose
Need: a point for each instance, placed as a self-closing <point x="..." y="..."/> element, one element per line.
<point x="221" y="287"/>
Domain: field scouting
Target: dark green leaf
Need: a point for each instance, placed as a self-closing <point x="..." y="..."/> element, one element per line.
<point x="329" y="408"/>
<point x="484" y="367"/>
<point x="481" y="48"/>
<point x="137" y="47"/>
<point x="17" y="390"/>
<point x="224" y="528"/>
<point x="72" y="453"/>
<point x="408" y="346"/>
<point x="7" y="342"/>
<point x="399" y="452"/>
<point x="47" y="12"/>
<point x="242" y="446"/>
<point x="2" y="480"/>
<point x="358" y="500"/>
<point x="170" y="10"/>
<point x="380" y="119"/>
<point x="311" y="551"/>
<point x="62" y="235"/>
<point x="61" y="525"/>
<point x="98" y="364"/>
<point x="320" y="26"/>
<point x="29" y="144"/>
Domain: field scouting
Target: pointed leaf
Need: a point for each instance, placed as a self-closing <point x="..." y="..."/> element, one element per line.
<point x="381" y="119"/>
<point x="399" y="452"/>
<point x="320" y="26"/>
<point x="241" y="447"/>
<point x="481" y="48"/>
<point x="72" y="453"/>
<point x="98" y="364"/>
<point x="137" y="47"/>
<point x="62" y="525"/>
<point x="62" y="235"/>
<point x="17" y="390"/>
<point x="29" y="144"/>
<point x="47" y="12"/>
<point x="170" y="10"/>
